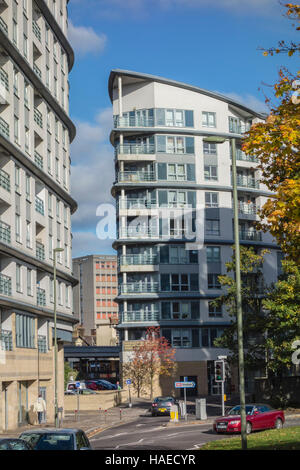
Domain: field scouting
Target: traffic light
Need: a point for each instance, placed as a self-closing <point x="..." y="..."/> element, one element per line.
<point x="219" y="371"/>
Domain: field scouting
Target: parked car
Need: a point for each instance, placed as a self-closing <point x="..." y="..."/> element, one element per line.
<point x="92" y="385"/>
<point x="258" y="416"/>
<point x="106" y="384"/>
<point x="14" y="444"/>
<point x="100" y="384"/>
<point x="73" y="385"/>
<point x="70" y="392"/>
<point x="56" y="439"/>
<point x="162" y="405"/>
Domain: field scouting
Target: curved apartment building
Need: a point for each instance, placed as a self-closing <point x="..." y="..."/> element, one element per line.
<point x="35" y="202"/>
<point x="165" y="168"/>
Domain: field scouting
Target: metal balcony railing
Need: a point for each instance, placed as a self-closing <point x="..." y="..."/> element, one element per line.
<point x="138" y="232"/>
<point x="36" y="30"/>
<point x="39" y="161"/>
<point x="135" y="176"/>
<point x="135" y="149"/>
<point x="242" y="156"/>
<point x="4" y="79"/>
<point x="5" y="232"/>
<point x="42" y="344"/>
<point x="39" y="205"/>
<point x="38" y="117"/>
<point x="247" y="208"/>
<point x="133" y="121"/>
<point x="138" y="260"/>
<point x="5" y="285"/>
<point x="4" y="180"/>
<point x="41" y="297"/>
<point x="136" y="204"/>
<point x="40" y="251"/>
<point x="247" y="182"/>
<point x="139" y="316"/>
<point x="139" y="288"/>
<point x="4" y="128"/>
<point x="250" y="235"/>
<point x="6" y="340"/>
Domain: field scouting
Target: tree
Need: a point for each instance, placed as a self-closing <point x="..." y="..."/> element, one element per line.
<point x="152" y="358"/>
<point x="276" y="144"/>
<point x="69" y="372"/>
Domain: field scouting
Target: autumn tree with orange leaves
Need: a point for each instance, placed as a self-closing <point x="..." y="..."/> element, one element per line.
<point x="151" y="358"/>
<point x="276" y="144"/>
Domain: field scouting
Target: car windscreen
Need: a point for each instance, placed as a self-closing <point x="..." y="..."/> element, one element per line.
<point x="165" y="399"/>
<point x="237" y="411"/>
<point x="50" y="441"/>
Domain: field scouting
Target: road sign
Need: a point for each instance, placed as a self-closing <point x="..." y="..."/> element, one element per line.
<point x="128" y="382"/>
<point x="77" y="384"/>
<point x="185" y="385"/>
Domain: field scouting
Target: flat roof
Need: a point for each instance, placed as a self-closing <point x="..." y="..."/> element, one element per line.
<point x="92" y="351"/>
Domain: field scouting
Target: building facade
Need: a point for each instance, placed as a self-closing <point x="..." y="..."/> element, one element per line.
<point x="35" y="203"/>
<point x="168" y="182"/>
<point x="94" y="297"/>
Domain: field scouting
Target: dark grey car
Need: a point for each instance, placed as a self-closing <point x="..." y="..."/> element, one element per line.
<point x="14" y="444"/>
<point x="57" y="439"/>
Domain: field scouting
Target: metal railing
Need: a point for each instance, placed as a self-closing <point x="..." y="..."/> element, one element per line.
<point x="135" y="176"/>
<point x="138" y="260"/>
<point x="42" y="344"/>
<point x="247" y="208"/>
<point x="39" y="205"/>
<point x="139" y="316"/>
<point x="242" y="156"/>
<point x="135" y="149"/>
<point x="133" y="121"/>
<point x="133" y="232"/>
<point x="250" y="235"/>
<point x="40" y="251"/>
<point x="136" y="204"/>
<point x="4" y="79"/>
<point x="38" y="117"/>
<point x="247" y="182"/>
<point x="5" y="232"/>
<point x="3" y="26"/>
<point x="41" y="297"/>
<point x="36" y="30"/>
<point x="39" y="161"/>
<point x="4" y="180"/>
<point x="139" y="287"/>
<point x="5" y="285"/>
<point x="4" y="128"/>
<point x="6" y="340"/>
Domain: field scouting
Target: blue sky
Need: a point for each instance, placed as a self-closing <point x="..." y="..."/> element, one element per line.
<point x="213" y="45"/>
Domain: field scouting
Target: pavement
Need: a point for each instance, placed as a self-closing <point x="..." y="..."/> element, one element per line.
<point x="94" y="422"/>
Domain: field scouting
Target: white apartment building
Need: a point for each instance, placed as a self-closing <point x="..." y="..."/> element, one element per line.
<point x="162" y="165"/>
<point x="35" y="201"/>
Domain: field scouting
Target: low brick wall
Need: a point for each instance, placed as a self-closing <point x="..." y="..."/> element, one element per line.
<point x="102" y="399"/>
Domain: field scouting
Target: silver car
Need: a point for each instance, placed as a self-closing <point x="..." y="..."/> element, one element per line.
<point x="57" y="439"/>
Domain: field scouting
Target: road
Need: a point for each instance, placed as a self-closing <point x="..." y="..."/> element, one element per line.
<point x="151" y="433"/>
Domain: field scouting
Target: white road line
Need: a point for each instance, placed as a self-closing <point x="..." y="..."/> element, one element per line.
<point x="129" y="444"/>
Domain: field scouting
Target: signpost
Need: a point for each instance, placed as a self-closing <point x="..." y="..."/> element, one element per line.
<point x="129" y="382"/>
<point x="186" y="384"/>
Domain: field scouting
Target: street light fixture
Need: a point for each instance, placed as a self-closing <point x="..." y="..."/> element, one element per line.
<point x="56" y="250"/>
<point x="219" y="140"/>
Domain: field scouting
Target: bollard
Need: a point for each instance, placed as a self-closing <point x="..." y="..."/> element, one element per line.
<point x="120" y="414"/>
<point x="174" y="414"/>
<point x="75" y="411"/>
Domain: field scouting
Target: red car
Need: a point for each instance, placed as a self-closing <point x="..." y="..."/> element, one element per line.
<point x="258" y="416"/>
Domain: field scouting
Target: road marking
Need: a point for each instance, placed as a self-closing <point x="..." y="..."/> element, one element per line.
<point x="129" y="444"/>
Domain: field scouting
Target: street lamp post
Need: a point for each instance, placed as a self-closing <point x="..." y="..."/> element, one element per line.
<point x="56" y="250"/>
<point x="239" y="313"/>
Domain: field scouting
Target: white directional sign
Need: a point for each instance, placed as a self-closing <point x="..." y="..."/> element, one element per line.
<point x="185" y="385"/>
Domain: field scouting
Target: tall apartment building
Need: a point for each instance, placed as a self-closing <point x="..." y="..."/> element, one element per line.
<point x="94" y="304"/>
<point x="163" y="166"/>
<point x="35" y="203"/>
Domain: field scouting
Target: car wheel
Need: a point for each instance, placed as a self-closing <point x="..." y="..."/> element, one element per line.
<point x="278" y="424"/>
<point x="248" y="428"/>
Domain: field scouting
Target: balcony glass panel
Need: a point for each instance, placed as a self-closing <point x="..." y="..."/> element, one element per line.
<point x="40" y="251"/>
<point x="5" y="232"/>
<point x="5" y="285"/>
<point x="4" y="180"/>
<point x="39" y="205"/>
<point x="6" y="340"/>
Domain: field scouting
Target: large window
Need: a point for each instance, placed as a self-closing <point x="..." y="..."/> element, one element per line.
<point x="213" y="281"/>
<point x="214" y="310"/>
<point x="211" y="200"/>
<point x="213" y="254"/>
<point x="209" y="148"/>
<point x="208" y="119"/>
<point x="177" y="254"/>
<point x="212" y="227"/>
<point x="180" y="310"/>
<point x="192" y="337"/>
<point x="175" y="144"/>
<point x="210" y="172"/>
<point x="179" y="282"/>
<point x="25" y="331"/>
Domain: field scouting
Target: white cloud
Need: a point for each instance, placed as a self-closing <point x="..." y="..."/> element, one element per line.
<point x="85" y="40"/>
<point x="248" y="100"/>
<point x="87" y="243"/>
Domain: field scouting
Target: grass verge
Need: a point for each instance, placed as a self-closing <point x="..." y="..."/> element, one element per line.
<point x="275" y="439"/>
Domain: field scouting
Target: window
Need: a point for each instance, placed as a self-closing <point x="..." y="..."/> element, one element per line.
<point x="181" y="338"/>
<point x="179" y="282"/>
<point x="26" y="94"/>
<point x="18" y="228"/>
<point x="175" y="144"/>
<point x="180" y="310"/>
<point x="16" y="129"/>
<point x="209" y="148"/>
<point x="176" y="172"/>
<point x="18" y="278"/>
<point x="214" y="311"/>
<point x="25" y="46"/>
<point x="210" y="172"/>
<point x="57" y="209"/>
<point x="47" y="76"/>
<point x="29" y="282"/>
<point x="28" y="234"/>
<point x="51" y="289"/>
<point x="213" y="254"/>
<point x="212" y="281"/>
<point x="25" y="331"/>
<point x="17" y="177"/>
<point x="27" y="140"/>
<point x="208" y="119"/>
<point x="211" y="199"/>
<point x="28" y="187"/>
<point x="15" y="32"/>
<point x="212" y="227"/>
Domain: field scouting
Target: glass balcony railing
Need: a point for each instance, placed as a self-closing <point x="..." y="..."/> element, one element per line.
<point x="250" y="235"/>
<point x="36" y="30"/>
<point x="136" y="204"/>
<point x="5" y="285"/>
<point x="38" y="117"/>
<point x="40" y="251"/>
<point x="133" y="121"/>
<point x="4" y="79"/>
<point x="138" y="260"/>
<point x="39" y="205"/>
<point x="42" y="344"/>
<point x="4" y="128"/>
<point x="138" y="232"/>
<point x="135" y="149"/>
<point x="5" y="232"/>
<point x="38" y="160"/>
<point x="6" y="340"/>
<point x="41" y="297"/>
<point x="135" y="176"/>
<point x="247" y="208"/>
<point x="4" y="180"/>
<point x="247" y="182"/>
<point x="139" y="288"/>
<point x="139" y="316"/>
<point x="242" y="156"/>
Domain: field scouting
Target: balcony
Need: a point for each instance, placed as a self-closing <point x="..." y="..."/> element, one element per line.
<point x="5" y="285"/>
<point x="135" y="176"/>
<point x="135" y="232"/>
<point x="247" y="208"/>
<point x="37" y="71"/>
<point x="4" y="86"/>
<point x="4" y="128"/>
<point x="242" y="156"/>
<point x="247" y="182"/>
<point x="133" y="121"/>
<point x="38" y="160"/>
<point x="41" y="297"/>
<point x="5" y="236"/>
<point x="136" y="204"/>
<point x="38" y="118"/>
<point x="139" y="316"/>
<point x="250" y="235"/>
<point x="4" y="180"/>
<point x="6" y="340"/>
<point x="139" y="288"/>
<point x="39" y="205"/>
<point x="36" y="30"/>
<point x="138" y="260"/>
<point x="3" y="26"/>
<point x="40" y="251"/>
<point x="135" y="149"/>
<point x="42" y="344"/>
